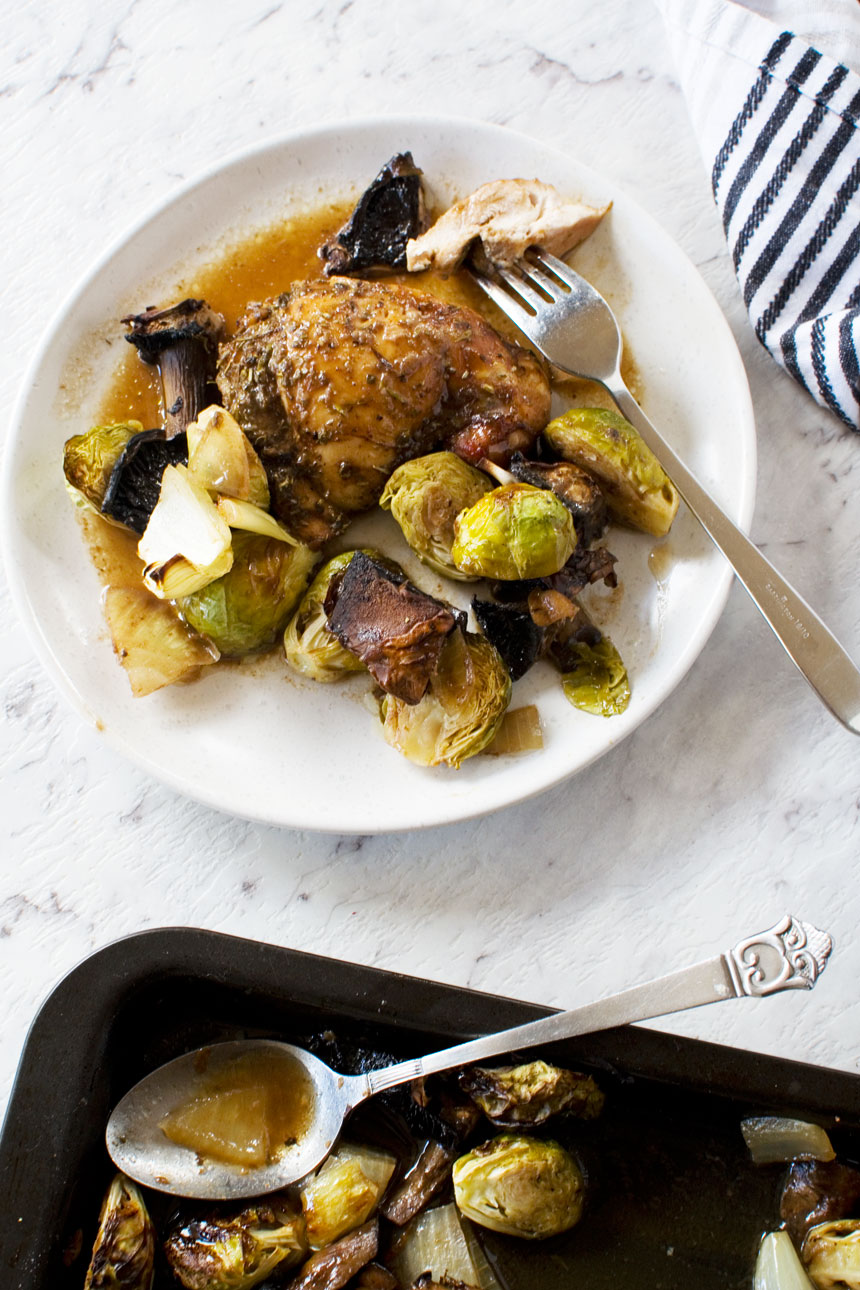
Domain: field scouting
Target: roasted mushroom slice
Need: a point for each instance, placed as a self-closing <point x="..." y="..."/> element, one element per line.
<point x="579" y="491"/>
<point x="394" y="628"/>
<point x="388" y="214"/>
<point x="135" y="481"/>
<point x="426" y="1178"/>
<point x="332" y="1267"/>
<point x="514" y="633"/>
<point x="817" y="1191"/>
<point x="182" y="340"/>
<point x="514" y="1096"/>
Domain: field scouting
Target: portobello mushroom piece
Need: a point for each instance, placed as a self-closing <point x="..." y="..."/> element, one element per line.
<point x="579" y="491"/>
<point x="585" y="565"/>
<point x="817" y="1191"/>
<point x="332" y="1267"/>
<point x="374" y="1276"/>
<point x="441" y="1098"/>
<point x="388" y="214"/>
<point x="427" y="1282"/>
<point x="182" y="340"/>
<point x="134" y="484"/>
<point x="425" y="1179"/>
<point x="513" y="632"/>
<point x="394" y="628"/>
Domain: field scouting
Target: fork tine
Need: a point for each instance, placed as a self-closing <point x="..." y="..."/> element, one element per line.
<point x="507" y="303"/>
<point x="521" y="282"/>
<point x="551" y="264"/>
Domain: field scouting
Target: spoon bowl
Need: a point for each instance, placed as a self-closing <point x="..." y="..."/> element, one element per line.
<point x="139" y="1146"/>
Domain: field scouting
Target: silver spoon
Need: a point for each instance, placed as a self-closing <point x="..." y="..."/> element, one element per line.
<point x="791" y="955"/>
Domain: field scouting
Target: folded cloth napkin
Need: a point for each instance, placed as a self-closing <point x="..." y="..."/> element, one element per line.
<point x="777" y="122"/>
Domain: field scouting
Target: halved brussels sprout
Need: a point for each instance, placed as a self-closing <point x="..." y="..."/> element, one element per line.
<point x="237" y="1251"/>
<point x="124" y="1249"/>
<point x="88" y="459"/>
<point x="425" y="496"/>
<point x="243" y="611"/>
<point x="310" y="647"/>
<point x="512" y="1096"/>
<point x="597" y="682"/>
<point x="636" y="486"/>
<point x="344" y="1192"/>
<point x="461" y="710"/>
<point x="516" y="531"/>
<point x="520" y="1186"/>
<point x="831" y="1252"/>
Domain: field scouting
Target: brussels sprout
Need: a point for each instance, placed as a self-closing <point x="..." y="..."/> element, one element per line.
<point x="238" y="1251"/>
<point x="512" y="1096"/>
<point x="831" y="1252"/>
<point x="520" y="1186"/>
<point x="597" y="682"/>
<point x="310" y="647"/>
<point x="344" y="1192"/>
<point x="88" y="459"/>
<point x="244" y="610"/>
<point x="425" y="496"/>
<point x="124" y="1251"/>
<point x="637" y="488"/>
<point x="461" y="710"/>
<point x="516" y="531"/>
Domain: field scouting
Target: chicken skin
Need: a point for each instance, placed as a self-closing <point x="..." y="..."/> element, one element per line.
<point x="337" y="382"/>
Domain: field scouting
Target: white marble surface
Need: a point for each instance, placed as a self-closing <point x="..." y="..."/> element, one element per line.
<point x="737" y="801"/>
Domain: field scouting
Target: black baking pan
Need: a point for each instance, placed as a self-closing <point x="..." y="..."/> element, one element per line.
<point x="674" y="1200"/>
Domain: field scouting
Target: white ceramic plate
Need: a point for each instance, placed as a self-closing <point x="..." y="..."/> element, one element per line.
<point x="255" y="741"/>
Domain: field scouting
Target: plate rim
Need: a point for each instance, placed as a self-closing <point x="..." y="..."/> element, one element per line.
<point x="157" y="210"/>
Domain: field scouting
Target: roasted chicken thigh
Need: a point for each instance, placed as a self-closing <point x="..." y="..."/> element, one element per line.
<point x="336" y="382"/>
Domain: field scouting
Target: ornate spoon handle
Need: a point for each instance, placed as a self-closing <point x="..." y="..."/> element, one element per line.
<point x="789" y="956"/>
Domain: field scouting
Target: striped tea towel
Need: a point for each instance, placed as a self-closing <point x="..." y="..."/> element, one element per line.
<point x="777" y="122"/>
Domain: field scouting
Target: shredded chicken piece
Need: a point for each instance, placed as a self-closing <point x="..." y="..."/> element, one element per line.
<point x="507" y="216"/>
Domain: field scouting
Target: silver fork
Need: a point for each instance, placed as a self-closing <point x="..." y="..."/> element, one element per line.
<point x="572" y="325"/>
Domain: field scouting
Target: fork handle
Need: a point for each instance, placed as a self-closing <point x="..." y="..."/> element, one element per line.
<point x="810" y="645"/>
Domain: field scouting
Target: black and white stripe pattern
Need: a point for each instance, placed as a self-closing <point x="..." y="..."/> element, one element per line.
<point x="786" y="181"/>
